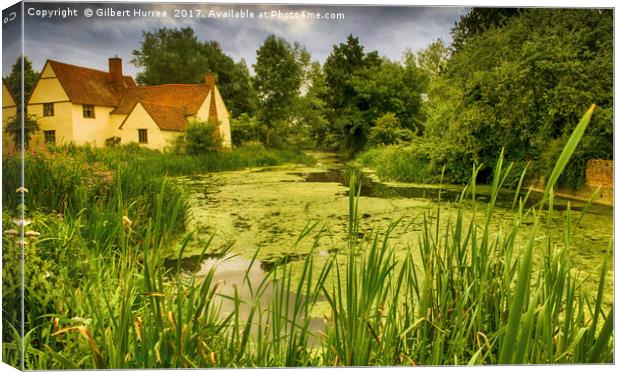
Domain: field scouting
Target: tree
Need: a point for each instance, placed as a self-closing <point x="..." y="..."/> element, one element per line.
<point x="344" y="62"/>
<point x="523" y="86"/>
<point x="387" y="131"/>
<point x="244" y="129"/>
<point x="277" y="81"/>
<point x="233" y="79"/>
<point x="14" y="128"/>
<point x="433" y="60"/>
<point x="361" y="88"/>
<point x="306" y="120"/>
<point x="311" y="110"/>
<point x="14" y="83"/>
<point x="240" y="89"/>
<point x="477" y="21"/>
<point x="170" y="56"/>
<point x="343" y="106"/>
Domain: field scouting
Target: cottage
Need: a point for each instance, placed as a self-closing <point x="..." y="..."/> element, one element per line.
<point x="9" y="110"/>
<point x="86" y="106"/>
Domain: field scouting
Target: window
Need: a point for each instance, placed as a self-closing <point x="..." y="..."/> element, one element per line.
<point x="142" y="137"/>
<point x="88" y="111"/>
<point x="48" y="109"/>
<point x="50" y="136"/>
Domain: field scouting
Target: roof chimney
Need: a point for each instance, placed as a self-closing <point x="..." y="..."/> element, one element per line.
<point x="116" y="71"/>
<point x="210" y="79"/>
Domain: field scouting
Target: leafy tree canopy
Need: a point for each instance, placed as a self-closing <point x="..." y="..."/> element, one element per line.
<point x="13" y="79"/>
<point x="361" y="87"/>
<point x="477" y="21"/>
<point x="523" y="86"/>
<point x="177" y="56"/>
<point x="278" y="79"/>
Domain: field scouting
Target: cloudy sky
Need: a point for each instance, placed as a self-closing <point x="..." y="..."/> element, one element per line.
<point x="89" y="41"/>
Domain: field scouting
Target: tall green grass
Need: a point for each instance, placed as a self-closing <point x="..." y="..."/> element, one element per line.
<point x="399" y="163"/>
<point x="69" y="175"/>
<point x="93" y="207"/>
<point x="465" y="294"/>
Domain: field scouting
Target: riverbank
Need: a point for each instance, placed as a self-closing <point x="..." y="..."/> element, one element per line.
<point x="408" y="164"/>
<point x="296" y="257"/>
<point x="91" y="217"/>
<point x="604" y="196"/>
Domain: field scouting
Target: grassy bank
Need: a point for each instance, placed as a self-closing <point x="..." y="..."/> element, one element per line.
<point x="419" y="162"/>
<point x="55" y="176"/>
<point x="100" y="296"/>
<point x="85" y="207"/>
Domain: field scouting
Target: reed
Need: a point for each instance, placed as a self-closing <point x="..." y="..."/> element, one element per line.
<point x="466" y="293"/>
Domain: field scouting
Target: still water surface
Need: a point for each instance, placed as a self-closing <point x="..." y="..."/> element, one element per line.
<point x="266" y="209"/>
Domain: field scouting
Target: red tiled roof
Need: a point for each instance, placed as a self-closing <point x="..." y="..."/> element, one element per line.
<point x="188" y="97"/>
<point x="87" y="86"/>
<point x="168" y="104"/>
<point x="166" y="117"/>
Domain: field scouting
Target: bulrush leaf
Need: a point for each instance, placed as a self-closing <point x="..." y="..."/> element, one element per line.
<point x="568" y="150"/>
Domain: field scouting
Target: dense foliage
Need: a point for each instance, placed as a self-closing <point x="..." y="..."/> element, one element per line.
<point x="14" y="79"/>
<point x="361" y="88"/>
<point x="277" y="82"/>
<point x="245" y="129"/>
<point x="200" y="137"/>
<point x="523" y="86"/>
<point x="477" y="21"/>
<point x="519" y="82"/>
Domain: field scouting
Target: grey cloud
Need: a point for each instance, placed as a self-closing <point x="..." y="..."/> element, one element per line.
<point x="90" y="41"/>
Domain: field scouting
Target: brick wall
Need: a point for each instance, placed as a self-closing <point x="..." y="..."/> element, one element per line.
<point x="600" y="173"/>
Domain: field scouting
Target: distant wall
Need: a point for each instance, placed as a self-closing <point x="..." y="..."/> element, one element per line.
<point x="600" y="173"/>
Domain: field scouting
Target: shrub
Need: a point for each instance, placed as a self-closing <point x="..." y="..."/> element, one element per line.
<point x="200" y="138"/>
<point x="112" y="141"/>
<point x="399" y="163"/>
<point x="388" y="130"/>
<point x="245" y="128"/>
<point x="454" y="160"/>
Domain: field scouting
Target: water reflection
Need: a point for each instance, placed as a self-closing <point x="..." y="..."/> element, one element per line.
<point x="249" y="282"/>
<point x="267" y="210"/>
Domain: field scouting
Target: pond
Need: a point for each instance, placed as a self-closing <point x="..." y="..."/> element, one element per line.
<point x="264" y="211"/>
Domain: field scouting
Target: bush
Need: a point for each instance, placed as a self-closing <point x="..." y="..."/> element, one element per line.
<point x="522" y="86"/>
<point x="200" y="138"/>
<point x="456" y="160"/>
<point x="399" y="163"/>
<point x="245" y="128"/>
<point x="112" y="141"/>
<point x="388" y="131"/>
<point x="420" y="161"/>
